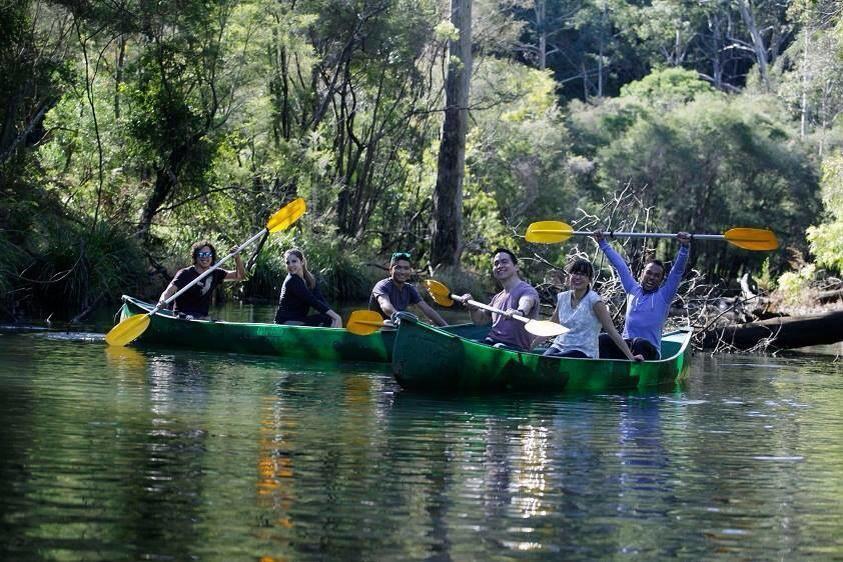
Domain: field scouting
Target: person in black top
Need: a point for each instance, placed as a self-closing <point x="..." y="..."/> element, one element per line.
<point x="299" y="293"/>
<point x="196" y="300"/>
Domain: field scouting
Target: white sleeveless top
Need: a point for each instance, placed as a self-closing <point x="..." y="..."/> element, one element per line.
<point x="581" y="321"/>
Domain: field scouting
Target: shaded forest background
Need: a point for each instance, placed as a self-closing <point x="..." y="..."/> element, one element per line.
<point x="130" y="129"/>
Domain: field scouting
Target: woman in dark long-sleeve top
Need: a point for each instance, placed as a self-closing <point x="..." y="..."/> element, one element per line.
<point x="299" y="294"/>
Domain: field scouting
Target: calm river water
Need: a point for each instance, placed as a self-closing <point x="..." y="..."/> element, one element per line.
<point x="156" y="454"/>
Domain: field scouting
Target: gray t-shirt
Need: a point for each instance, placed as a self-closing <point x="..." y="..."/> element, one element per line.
<point x="400" y="297"/>
<point x="507" y="330"/>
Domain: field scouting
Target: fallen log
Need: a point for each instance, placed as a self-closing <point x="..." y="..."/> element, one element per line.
<point x="778" y="333"/>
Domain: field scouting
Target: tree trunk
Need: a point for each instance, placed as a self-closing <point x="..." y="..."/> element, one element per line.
<point x="779" y="333"/>
<point x="758" y="46"/>
<point x="446" y="245"/>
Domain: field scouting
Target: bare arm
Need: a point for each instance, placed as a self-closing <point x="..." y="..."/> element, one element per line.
<point x="240" y="271"/>
<point x="526" y="306"/>
<point x="336" y="320"/>
<point x="168" y="292"/>
<point x="432" y="314"/>
<point x="603" y="315"/>
<point x="386" y="305"/>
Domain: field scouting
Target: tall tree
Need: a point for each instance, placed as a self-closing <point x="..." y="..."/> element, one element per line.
<point x="447" y="197"/>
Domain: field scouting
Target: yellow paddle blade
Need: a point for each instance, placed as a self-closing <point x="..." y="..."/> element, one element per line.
<point x="545" y="328"/>
<point x="752" y="238"/>
<point x="548" y="232"/>
<point x="286" y="216"/>
<point x="127" y="330"/>
<point x="439" y="292"/>
<point x="364" y="322"/>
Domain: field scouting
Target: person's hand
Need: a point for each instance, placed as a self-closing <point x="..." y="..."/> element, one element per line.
<point x="638" y="358"/>
<point x="512" y="311"/>
<point x="598" y="235"/>
<point x="684" y="238"/>
<point x="462" y="299"/>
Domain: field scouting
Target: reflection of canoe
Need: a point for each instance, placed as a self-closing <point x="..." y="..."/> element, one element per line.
<point x="426" y="358"/>
<point x="319" y="344"/>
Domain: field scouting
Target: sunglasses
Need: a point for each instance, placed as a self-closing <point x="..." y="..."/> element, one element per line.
<point x="204" y="254"/>
<point x="400" y="256"/>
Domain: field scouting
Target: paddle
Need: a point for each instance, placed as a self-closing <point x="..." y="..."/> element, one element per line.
<point x="134" y="326"/>
<point x="543" y="328"/>
<point x="552" y="232"/>
<point x="364" y="322"/>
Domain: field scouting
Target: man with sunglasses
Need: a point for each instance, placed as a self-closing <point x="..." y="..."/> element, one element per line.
<point x="395" y="294"/>
<point x="196" y="301"/>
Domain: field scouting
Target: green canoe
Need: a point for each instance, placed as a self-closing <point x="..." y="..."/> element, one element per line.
<point x="430" y="359"/>
<point x="305" y="342"/>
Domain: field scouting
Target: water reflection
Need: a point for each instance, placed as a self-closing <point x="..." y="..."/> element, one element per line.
<point x="138" y="454"/>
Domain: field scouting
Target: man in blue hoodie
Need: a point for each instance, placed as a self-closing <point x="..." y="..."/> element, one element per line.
<point x="647" y="300"/>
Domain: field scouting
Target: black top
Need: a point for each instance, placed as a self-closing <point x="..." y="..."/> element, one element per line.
<point x="296" y="299"/>
<point x="196" y="300"/>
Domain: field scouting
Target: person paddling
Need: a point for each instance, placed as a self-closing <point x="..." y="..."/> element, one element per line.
<point x="196" y="301"/>
<point x="516" y="297"/>
<point x="583" y="312"/>
<point x="395" y="293"/>
<point x="647" y="300"/>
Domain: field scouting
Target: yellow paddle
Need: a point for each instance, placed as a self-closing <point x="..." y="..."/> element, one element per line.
<point x="364" y="322"/>
<point x="133" y="326"/>
<point x="553" y="232"/>
<point x="543" y="328"/>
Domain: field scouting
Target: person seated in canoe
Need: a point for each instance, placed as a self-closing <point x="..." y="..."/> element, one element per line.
<point x="647" y="300"/>
<point x="196" y="300"/>
<point x="516" y="297"/>
<point x="394" y="294"/>
<point x="583" y="312"/>
<point x="300" y="293"/>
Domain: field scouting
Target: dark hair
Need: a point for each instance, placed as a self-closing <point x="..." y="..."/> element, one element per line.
<point x="581" y="266"/>
<point x="659" y="263"/>
<point x="194" y="251"/>
<point x="309" y="279"/>
<point x="507" y="252"/>
<point x="397" y="256"/>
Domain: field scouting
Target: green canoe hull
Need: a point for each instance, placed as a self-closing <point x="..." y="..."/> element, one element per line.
<point x="432" y="360"/>
<point x="304" y="342"/>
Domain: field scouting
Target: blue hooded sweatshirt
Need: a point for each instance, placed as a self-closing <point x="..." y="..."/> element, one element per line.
<point x="646" y="312"/>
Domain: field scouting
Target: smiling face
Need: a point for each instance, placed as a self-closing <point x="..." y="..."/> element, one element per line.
<point x="503" y="268"/>
<point x="204" y="257"/>
<point x="294" y="264"/>
<point x="651" y="277"/>
<point x="578" y="280"/>
<point x="400" y="271"/>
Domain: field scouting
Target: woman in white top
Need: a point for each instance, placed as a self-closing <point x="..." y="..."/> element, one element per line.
<point x="583" y="312"/>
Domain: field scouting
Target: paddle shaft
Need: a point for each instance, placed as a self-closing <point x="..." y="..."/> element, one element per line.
<point x="208" y="271"/>
<point x="480" y="305"/>
<point x="635" y="234"/>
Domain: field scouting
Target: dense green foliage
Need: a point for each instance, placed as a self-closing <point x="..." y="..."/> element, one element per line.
<point x="131" y="129"/>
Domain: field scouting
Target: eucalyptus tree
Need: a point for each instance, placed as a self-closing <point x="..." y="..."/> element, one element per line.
<point x="447" y="197"/>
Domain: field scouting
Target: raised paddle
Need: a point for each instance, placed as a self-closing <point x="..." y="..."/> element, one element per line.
<point x="133" y="326"/>
<point x="553" y="232"/>
<point x="364" y="322"/>
<point x="543" y="328"/>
